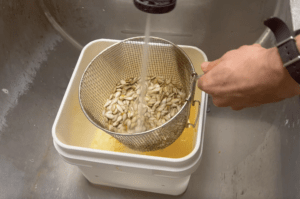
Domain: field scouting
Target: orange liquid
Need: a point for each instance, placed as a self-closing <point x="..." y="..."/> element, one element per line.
<point x="180" y="148"/>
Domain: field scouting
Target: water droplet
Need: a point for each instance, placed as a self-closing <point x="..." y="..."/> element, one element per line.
<point x="286" y="122"/>
<point x="208" y="110"/>
<point x="4" y="90"/>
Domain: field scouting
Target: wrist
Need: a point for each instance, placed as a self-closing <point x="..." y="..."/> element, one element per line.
<point x="274" y="53"/>
<point x="288" y="47"/>
<point x="287" y="87"/>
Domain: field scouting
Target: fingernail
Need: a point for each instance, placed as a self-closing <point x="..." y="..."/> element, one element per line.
<point x="204" y="65"/>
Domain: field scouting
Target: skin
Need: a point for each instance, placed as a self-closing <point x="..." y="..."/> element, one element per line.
<point x="248" y="77"/>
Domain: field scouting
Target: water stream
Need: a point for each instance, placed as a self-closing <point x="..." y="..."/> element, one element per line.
<point x="144" y="70"/>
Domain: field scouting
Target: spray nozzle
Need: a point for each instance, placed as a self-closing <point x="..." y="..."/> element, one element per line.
<point x="155" y="6"/>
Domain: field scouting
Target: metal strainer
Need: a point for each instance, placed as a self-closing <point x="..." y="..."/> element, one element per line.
<point x="124" y="60"/>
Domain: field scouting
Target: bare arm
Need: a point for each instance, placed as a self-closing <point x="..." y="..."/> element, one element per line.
<point x="248" y="77"/>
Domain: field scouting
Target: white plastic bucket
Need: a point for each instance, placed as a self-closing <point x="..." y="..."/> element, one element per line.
<point x="72" y="133"/>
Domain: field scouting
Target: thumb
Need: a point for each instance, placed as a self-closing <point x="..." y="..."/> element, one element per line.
<point x="207" y="66"/>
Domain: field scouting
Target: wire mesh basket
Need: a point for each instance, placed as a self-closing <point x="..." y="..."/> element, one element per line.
<point x="124" y="60"/>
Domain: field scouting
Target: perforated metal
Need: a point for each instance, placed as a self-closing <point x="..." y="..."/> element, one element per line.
<point x="124" y="60"/>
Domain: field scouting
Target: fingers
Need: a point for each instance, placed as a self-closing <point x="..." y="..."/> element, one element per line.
<point x="226" y="79"/>
<point x="204" y="79"/>
<point x="220" y="102"/>
<point x="240" y="107"/>
<point x="203" y="83"/>
<point x="236" y="106"/>
<point x="207" y="66"/>
<point x="204" y="66"/>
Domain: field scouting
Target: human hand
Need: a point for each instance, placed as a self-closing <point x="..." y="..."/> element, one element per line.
<point x="247" y="77"/>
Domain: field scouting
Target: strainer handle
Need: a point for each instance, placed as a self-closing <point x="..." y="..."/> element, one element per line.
<point x="197" y="117"/>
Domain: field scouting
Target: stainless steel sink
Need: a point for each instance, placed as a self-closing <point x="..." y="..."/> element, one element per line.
<point x="214" y="26"/>
<point x="253" y="153"/>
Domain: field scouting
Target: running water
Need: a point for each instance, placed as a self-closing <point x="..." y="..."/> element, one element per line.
<point x="144" y="72"/>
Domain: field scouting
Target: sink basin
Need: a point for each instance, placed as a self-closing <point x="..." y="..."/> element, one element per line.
<point x="253" y="153"/>
<point x="213" y="25"/>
